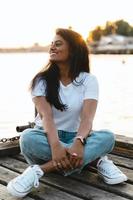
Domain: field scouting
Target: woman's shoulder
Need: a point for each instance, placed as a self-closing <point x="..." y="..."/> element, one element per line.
<point x="40" y="81"/>
<point x="85" y="76"/>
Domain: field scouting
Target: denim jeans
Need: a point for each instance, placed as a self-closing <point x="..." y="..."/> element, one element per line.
<point x="36" y="149"/>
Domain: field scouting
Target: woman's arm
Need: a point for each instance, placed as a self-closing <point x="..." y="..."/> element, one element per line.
<point x="45" y="111"/>
<point x="87" y="116"/>
<point x="59" y="153"/>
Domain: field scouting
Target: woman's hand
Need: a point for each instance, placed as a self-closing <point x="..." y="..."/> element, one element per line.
<point x="60" y="158"/>
<point x="76" y="152"/>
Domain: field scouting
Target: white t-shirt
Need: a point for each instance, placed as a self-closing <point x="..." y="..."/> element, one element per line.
<point x="73" y="96"/>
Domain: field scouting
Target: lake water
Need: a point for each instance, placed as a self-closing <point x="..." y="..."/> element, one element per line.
<point x="114" y="74"/>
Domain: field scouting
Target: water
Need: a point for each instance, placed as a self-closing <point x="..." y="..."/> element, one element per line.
<point x="115" y="108"/>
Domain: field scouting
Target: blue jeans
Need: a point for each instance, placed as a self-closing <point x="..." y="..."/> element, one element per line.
<point x="36" y="149"/>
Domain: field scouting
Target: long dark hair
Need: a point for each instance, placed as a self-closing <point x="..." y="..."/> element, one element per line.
<point x="79" y="62"/>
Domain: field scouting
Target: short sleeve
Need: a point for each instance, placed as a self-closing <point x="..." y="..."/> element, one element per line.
<point x="91" y="87"/>
<point x="39" y="89"/>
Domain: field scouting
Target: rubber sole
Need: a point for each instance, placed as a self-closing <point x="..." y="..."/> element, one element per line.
<point x="14" y="192"/>
<point x="113" y="181"/>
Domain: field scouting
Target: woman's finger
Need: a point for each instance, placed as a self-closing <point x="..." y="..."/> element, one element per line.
<point x="55" y="165"/>
<point x="69" y="165"/>
<point x="78" y="163"/>
<point x="74" y="159"/>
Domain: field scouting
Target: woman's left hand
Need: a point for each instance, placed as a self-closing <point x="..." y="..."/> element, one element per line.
<point x="75" y="154"/>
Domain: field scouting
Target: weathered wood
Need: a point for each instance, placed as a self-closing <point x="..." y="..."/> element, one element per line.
<point x="9" y="148"/>
<point x="123" y="146"/>
<point x="19" y="157"/>
<point x="86" y="185"/>
<point x="67" y="190"/>
<point x="121" y="161"/>
<point x="67" y="185"/>
<point x="13" y="164"/>
<point x="123" y="189"/>
<point x="128" y="153"/>
<point x="19" y="166"/>
<point x="44" y="192"/>
<point x="4" y="195"/>
<point x="124" y="141"/>
<point x="47" y="193"/>
<point x="79" y="188"/>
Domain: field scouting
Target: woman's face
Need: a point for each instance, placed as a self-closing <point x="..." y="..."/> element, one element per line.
<point x="59" y="50"/>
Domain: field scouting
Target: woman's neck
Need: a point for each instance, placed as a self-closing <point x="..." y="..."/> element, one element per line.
<point x="64" y="74"/>
<point x="64" y="71"/>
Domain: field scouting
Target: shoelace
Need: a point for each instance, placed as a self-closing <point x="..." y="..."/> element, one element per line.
<point x="110" y="170"/>
<point x="36" y="182"/>
<point x="27" y="182"/>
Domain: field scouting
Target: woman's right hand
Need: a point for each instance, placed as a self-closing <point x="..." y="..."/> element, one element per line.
<point x="60" y="158"/>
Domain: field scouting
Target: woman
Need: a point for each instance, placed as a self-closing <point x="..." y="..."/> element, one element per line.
<point x="65" y="95"/>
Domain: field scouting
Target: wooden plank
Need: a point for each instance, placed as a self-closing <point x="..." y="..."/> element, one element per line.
<point x="128" y="153"/>
<point x="118" y="160"/>
<point x="123" y="146"/>
<point x="4" y="195"/>
<point x="121" y="161"/>
<point x="124" y="141"/>
<point x="47" y="193"/>
<point x="63" y="189"/>
<point x="71" y="186"/>
<point x="44" y="192"/>
<point x="79" y="188"/>
<point x="19" y="166"/>
<point x="123" y="189"/>
<point x="13" y="164"/>
<point x="9" y="148"/>
<point x="129" y="174"/>
<point x="19" y="157"/>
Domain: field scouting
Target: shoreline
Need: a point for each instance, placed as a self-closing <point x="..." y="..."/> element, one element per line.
<point x="45" y="49"/>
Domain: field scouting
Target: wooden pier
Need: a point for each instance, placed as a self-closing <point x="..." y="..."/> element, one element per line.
<point x="87" y="185"/>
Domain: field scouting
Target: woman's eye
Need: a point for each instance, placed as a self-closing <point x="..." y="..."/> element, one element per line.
<point x="58" y="44"/>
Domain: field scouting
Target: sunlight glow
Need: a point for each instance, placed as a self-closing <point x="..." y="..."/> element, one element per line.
<point x="25" y="22"/>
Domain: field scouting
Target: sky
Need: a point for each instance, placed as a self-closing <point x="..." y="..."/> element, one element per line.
<point x="25" y="22"/>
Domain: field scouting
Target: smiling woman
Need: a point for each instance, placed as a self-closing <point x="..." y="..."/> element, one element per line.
<point x="63" y="138"/>
<point x="59" y="50"/>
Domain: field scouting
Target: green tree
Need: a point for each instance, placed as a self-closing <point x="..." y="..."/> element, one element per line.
<point x="110" y="28"/>
<point x="120" y="27"/>
<point x="123" y="28"/>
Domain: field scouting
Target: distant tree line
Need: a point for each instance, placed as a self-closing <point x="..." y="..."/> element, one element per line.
<point x="120" y="27"/>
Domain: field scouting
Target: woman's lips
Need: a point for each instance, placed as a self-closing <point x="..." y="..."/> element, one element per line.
<point x="53" y="53"/>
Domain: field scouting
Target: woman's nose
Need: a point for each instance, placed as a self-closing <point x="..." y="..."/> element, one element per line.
<point x="53" y="46"/>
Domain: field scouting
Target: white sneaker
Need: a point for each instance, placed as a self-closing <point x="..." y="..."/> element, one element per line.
<point x="23" y="184"/>
<point x="110" y="173"/>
